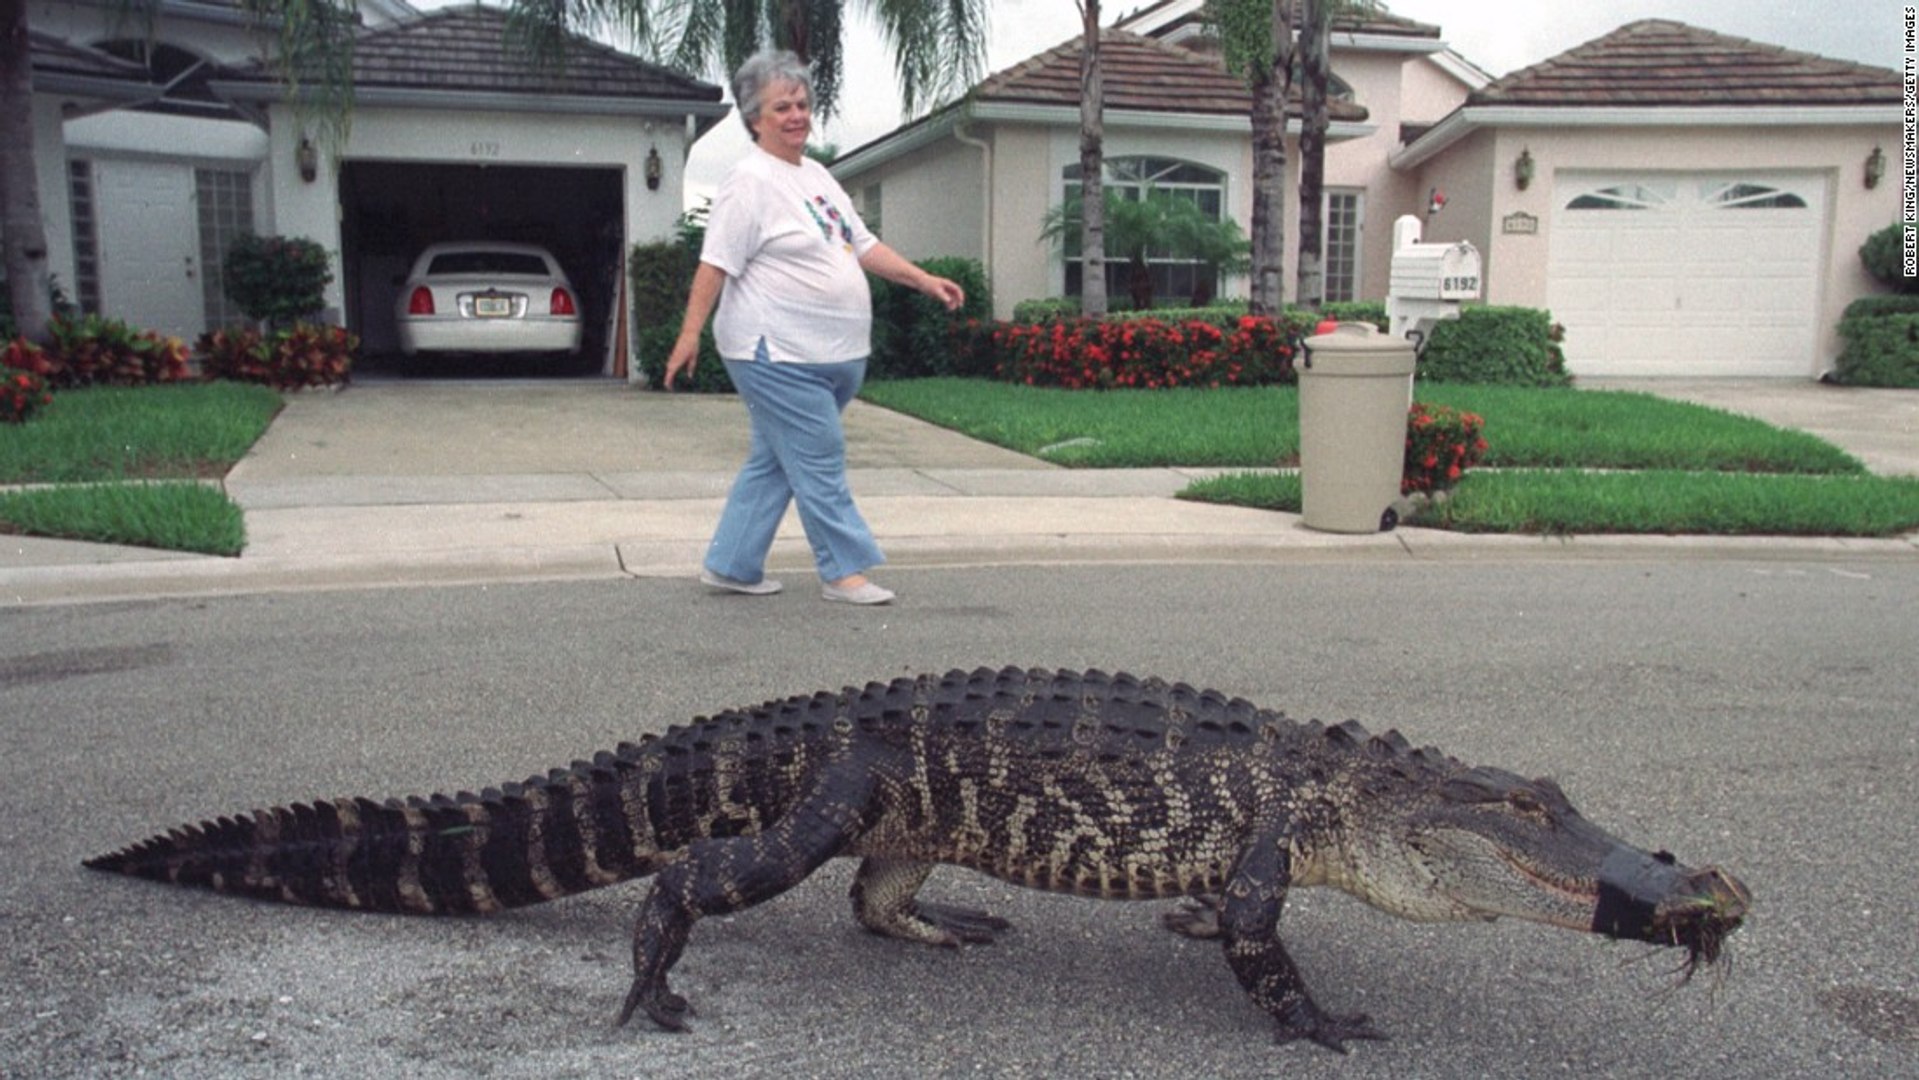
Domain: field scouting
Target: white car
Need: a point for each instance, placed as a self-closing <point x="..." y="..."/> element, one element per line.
<point x="475" y="297"/>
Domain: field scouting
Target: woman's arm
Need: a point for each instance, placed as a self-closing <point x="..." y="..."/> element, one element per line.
<point x="891" y="265"/>
<point x="700" y="299"/>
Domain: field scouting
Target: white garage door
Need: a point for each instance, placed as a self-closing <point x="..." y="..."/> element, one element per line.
<point x="1687" y="273"/>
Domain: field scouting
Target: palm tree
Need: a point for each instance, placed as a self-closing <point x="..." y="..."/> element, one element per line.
<point x="23" y="233"/>
<point x="1315" y="67"/>
<point x="1157" y="223"/>
<point x="1092" y="166"/>
<point x="1256" y="39"/>
<point x="938" y="45"/>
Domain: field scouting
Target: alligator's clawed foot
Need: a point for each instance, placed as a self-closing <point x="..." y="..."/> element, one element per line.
<point x="1195" y="918"/>
<point x="1306" y="1021"/>
<point x="667" y="1009"/>
<point x="962" y="925"/>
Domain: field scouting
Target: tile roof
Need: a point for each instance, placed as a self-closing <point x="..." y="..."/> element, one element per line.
<point x="465" y="49"/>
<point x="1137" y="73"/>
<point x="1374" y="22"/>
<point x="50" y="54"/>
<point x="1658" y="62"/>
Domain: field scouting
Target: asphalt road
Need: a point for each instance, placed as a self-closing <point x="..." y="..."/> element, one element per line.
<point x="1757" y="715"/>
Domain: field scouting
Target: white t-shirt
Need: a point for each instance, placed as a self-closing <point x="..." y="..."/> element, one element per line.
<point x="790" y="243"/>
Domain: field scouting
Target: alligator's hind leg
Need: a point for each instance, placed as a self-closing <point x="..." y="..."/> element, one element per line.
<point x="719" y="876"/>
<point x="1249" y="922"/>
<point x="884" y="894"/>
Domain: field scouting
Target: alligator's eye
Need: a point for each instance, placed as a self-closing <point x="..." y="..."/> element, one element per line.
<point x="1525" y="802"/>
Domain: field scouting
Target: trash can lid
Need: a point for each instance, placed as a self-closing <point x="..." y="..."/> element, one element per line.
<point x="1358" y="348"/>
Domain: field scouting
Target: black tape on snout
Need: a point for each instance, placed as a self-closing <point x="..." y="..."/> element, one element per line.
<point x="1631" y="886"/>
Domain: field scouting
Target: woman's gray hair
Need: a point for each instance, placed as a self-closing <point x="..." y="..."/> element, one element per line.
<point x="761" y="70"/>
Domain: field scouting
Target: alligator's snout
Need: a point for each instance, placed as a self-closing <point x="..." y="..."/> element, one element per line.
<point x="1650" y="897"/>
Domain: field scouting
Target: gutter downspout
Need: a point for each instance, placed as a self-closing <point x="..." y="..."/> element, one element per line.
<point x="986" y="213"/>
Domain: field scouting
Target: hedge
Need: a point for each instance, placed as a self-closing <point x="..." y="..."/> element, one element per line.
<point x="1880" y="349"/>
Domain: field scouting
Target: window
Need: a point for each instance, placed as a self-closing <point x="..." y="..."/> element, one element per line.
<point x="1755" y="197"/>
<point x="225" y="203"/>
<point x="1176" y="279"/>
<point x="86" y="237"/>
<point x="1341" y="242"/>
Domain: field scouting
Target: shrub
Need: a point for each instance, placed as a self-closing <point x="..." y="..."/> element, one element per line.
<point x="653" y="343"/>
<point x="304" y="354"/>
<point x="89" y="350"/>
<point x="1046" y="309"/>
<point x="1883" y="304"/>
<point x="1367" y="311"/>
<point x="1147" y="353"/>
<point x="1880" y="350"/>
<point x="1441" y="444"/>
<point x="22" y="393"/>
<point x="660" y="275"/>
<point x="914" y="334"/>
<point x="276" y="279"/>
<point x="1884" y="256"/>
<point x="1508" y="346"/>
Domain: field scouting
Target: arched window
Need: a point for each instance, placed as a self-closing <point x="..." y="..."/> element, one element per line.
<point x="1173" y="279"/>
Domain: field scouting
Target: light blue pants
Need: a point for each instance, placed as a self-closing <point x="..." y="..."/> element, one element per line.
<point x="798" y="455"/>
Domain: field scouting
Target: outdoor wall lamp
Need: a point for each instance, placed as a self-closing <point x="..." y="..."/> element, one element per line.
<point x="653" y="169"/>
<point x="1523" y="170"/>
<point x="1875" y="167"/>
<point x="308" y="159"/>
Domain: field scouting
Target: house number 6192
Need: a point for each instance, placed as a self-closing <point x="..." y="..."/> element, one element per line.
<point x="485" y="148"/>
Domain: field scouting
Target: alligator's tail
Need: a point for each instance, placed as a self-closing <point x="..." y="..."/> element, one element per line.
<point x="522" y="844"/>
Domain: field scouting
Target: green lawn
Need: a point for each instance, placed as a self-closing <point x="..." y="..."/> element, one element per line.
<point x="108" y="464"/>
<point x="1259" y="427"/>
<point x="1560" y="461"/>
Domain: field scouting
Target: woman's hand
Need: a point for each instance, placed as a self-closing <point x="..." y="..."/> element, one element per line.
<point x="685" y="354"/>
<point x="945" y="290"/>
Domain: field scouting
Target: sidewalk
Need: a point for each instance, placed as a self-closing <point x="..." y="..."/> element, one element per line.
<point x="389" y="483"/>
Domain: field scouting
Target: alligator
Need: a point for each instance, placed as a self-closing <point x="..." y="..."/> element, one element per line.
<point x="1075" y="782"/>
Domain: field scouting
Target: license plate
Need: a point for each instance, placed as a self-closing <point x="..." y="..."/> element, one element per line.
<point x="492" y="307"/>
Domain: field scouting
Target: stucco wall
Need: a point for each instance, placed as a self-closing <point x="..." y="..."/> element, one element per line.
<point x="50" y="174"/>
<point x="932" y="200"/>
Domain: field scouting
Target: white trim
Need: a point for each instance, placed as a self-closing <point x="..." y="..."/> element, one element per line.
<point x="1452" y="63"/>
<point x="1387" y="43"/>
<point x="1464" y="121"/>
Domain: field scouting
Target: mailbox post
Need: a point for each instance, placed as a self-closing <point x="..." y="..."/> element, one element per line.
<point x="1428" y="282"/>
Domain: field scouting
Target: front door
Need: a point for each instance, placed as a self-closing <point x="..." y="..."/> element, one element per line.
<point x="149" y="246"/>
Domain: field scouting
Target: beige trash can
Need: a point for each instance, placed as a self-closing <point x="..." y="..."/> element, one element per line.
<point x="1355" y="386"/>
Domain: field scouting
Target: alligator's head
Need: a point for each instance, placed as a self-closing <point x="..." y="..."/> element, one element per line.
<point x="1481" y="843"/>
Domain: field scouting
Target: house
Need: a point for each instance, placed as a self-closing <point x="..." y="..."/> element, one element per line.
<point x="149" y="170"/>
<point x="1684" y="202"/>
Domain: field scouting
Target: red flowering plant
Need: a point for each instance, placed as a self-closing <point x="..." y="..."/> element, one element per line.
<point x="1146" y="353"/>
<point x="1441" y="444"/>
<point x="22" y="393"/>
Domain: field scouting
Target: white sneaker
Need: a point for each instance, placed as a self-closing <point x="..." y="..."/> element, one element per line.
<point x="762" y="587"/>
<point x="863" y="593"/>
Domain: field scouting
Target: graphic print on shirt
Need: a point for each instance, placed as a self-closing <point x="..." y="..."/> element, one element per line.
<point x="826" y="230"/>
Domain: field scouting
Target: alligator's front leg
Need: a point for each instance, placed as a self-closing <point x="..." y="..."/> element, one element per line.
<point x="1249" y="923"/>
<point x="720" y="876"/>
<point x="885" y="899"/>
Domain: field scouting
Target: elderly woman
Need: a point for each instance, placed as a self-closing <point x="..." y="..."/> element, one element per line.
<point x="783" y="261"/>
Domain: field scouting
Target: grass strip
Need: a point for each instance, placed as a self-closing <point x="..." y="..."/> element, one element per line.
<point x="117" y="433"/>
<point x="1259" y="426"/>
<point x="172" y="515"/>
<point x="1571" y="502"/>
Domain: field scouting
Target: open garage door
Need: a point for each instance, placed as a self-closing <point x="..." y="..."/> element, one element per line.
<point x="391" y="210"/>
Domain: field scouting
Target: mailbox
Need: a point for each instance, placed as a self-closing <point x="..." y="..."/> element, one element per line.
<point x="1428" y="281"/>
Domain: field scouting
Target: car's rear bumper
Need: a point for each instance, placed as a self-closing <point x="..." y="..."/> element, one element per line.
<point x="455" y="334"/>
